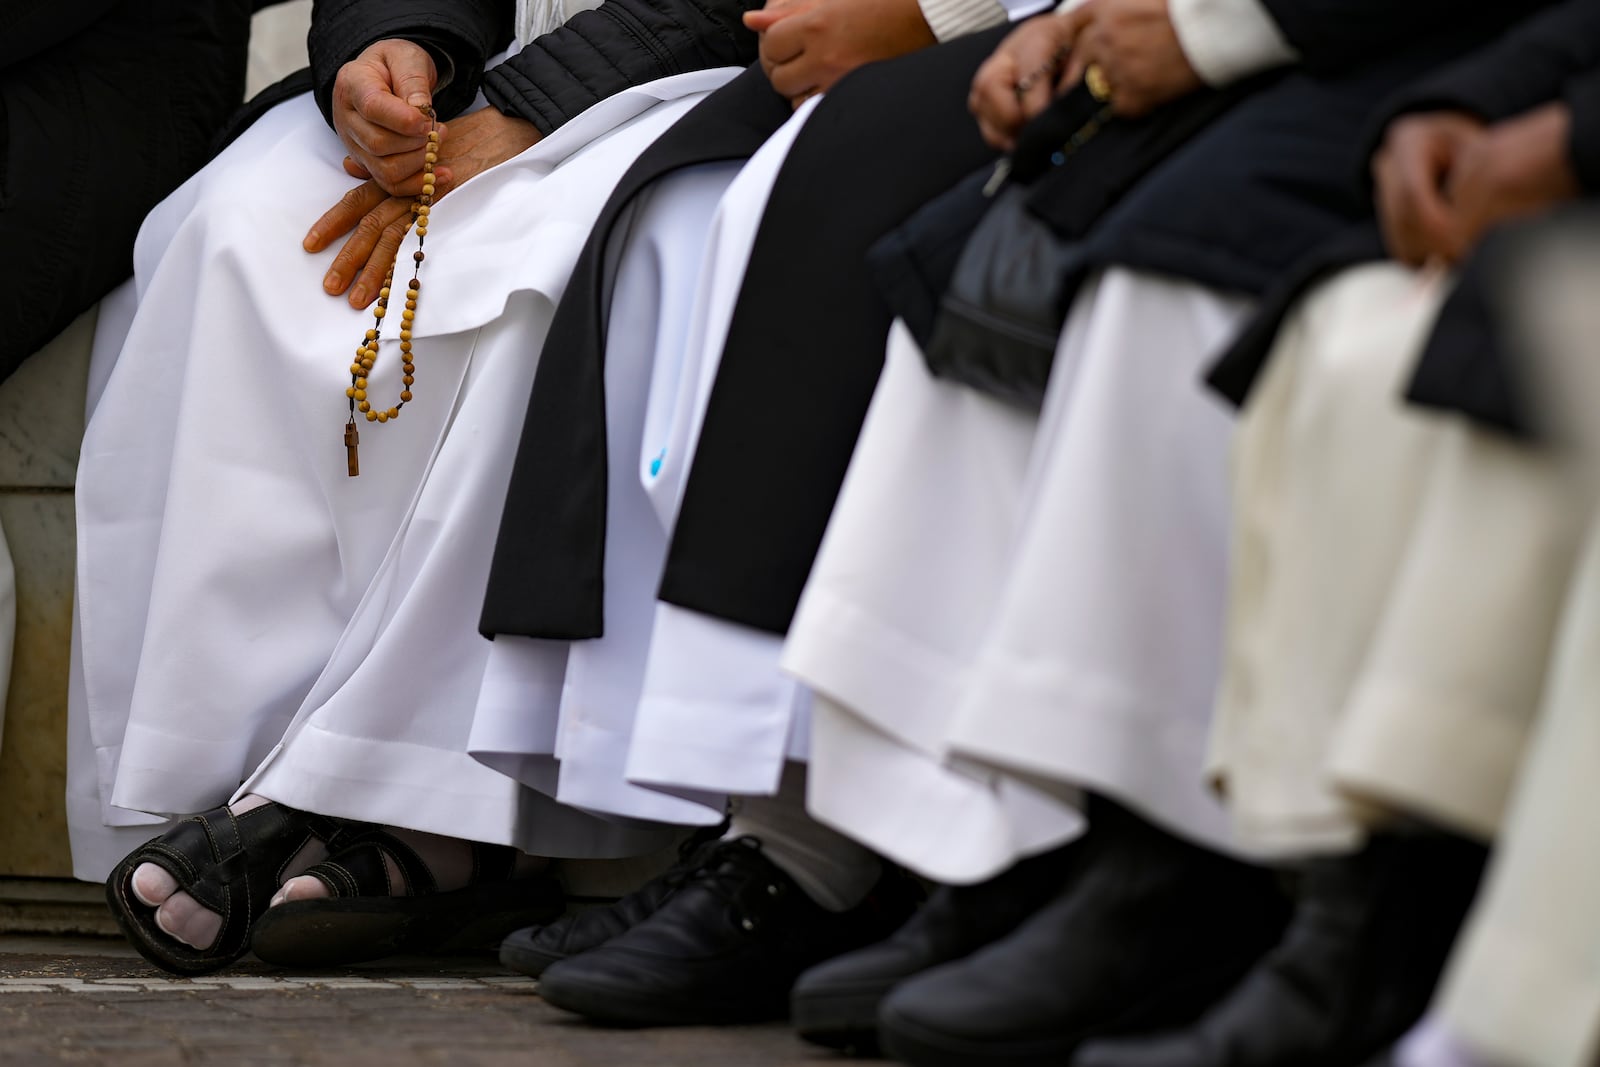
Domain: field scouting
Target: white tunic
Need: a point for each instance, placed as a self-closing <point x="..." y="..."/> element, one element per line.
<point x="1008" y="609"/>
<point x="669" y="711"/>
<point x="247" y="612"/>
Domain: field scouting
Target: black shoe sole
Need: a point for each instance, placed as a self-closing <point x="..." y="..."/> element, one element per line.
<point x="914" y="1044"/>
<point x="844" y="1019"/>
<point x="526" y="959"/>
<point x="343" y="930"/>
<point x="610" y="1006"/>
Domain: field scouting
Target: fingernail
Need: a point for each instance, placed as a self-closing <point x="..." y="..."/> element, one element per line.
<point x="313" y="239"/>
<point x="332" y="282"/>
<point x="417" y="99"/>
<point x="358" y="296"/>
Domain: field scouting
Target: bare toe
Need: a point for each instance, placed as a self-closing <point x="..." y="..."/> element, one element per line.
<point x="152" y="885"/>
<point x="182" y="917"/>
<point x="303" y="888"/>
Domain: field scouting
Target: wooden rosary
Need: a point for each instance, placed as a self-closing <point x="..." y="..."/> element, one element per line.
<point x="367" y="354"/>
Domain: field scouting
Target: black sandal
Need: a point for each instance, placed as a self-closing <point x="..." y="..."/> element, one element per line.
<point x="363" y="920"/>
<point x="231" y="864"/>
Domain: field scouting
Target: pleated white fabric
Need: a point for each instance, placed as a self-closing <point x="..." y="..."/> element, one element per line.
<point x="1400" y="578"/>
<point x="247" y="613"/>
<point x="1523" y="988"/>
<point x="670" y="711"/>
<point x="1007" y="609"/>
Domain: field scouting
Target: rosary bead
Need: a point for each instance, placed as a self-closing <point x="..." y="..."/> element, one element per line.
<point x="367" y="353"/>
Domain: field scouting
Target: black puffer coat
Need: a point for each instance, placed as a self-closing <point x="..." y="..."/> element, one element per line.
<point x="594" y="55"/>
<point x="105" y="107"/>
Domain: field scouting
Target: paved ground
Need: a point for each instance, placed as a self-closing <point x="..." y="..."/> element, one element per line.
<point x="96" y="1002"/>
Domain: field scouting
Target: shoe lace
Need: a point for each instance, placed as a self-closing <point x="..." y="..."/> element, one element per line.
<point x="712" y="870"/>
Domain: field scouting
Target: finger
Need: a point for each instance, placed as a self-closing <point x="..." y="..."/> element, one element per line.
<point x="363" y="243"/>
<point x="785" y="43"/>
<point x="355" y="170"/>
<point x="339" y="219"/>
<point x="774" y="12"/>
<point x="368" y="141"/>
<point x="1398" y="215"/>
<point x="412" y="74"/>
<point x="994" y="103"/>
<point x="796" y="79"/>
<point x="369" y="283"/>
<point x="401" y="175"/>
<point x="763" y="20"/>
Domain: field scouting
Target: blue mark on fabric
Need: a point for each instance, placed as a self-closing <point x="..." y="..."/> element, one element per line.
<point x="655" y="464"/>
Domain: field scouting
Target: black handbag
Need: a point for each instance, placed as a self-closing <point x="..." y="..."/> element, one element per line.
<point x="984" y="274"/>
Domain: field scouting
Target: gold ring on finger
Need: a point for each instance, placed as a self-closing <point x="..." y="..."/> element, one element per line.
<point x="1099" y="86"/>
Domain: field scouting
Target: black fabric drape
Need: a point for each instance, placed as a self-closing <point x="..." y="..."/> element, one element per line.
<point x="546" y="578"/>
<point x="104" y="110"/>
<point x="805" y="346"/>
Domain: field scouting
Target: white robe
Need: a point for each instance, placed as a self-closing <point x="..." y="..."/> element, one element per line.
<point x="669" y="711"/>
<point x="246" y="612"/>
<point x="1007" y="609"/>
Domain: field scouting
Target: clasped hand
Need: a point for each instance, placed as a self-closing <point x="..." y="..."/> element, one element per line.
<point x="808" y="45"/>
<point x="377" y="98"/>
<point x="1444" y="179"/>
<point x="1133" y="42"/>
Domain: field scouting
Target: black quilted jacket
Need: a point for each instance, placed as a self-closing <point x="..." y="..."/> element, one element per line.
<point x="594" y="55"/>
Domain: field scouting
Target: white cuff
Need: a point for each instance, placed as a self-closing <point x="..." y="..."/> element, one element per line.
<point x="1228" y="40"/>
<point x="949" y="19"/>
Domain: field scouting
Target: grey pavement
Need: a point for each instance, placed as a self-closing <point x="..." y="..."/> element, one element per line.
<point x="94" y="1001"/>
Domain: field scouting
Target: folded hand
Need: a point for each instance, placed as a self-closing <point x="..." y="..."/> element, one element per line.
<point x="377" y="222"/>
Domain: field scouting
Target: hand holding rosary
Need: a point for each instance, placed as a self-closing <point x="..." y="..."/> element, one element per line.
<point x="367" y="353"/>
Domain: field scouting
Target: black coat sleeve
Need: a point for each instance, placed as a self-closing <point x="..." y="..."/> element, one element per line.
<point x="28" y="27"/>
<point x="619" y="44"/>
<point x="1583" y="97"/>
<point x="1531" y="65"/>
<point x="1334" y="35"/>
<point x="465" y="31"/>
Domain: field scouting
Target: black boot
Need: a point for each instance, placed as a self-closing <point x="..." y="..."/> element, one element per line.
<point x="1148" y="934"/>
<point x="724" y="948"/>
<point x="533" y="948"/>
<point x="1355" y="970"/>
<point x="836" y="1003"/>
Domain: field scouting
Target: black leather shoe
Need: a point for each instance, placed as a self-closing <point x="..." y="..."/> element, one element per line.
<point x="836" y="1003"/>
<point x="724" y="948"/>
<point x="1355" y="970"/>
<point x="1149" y="933"/>
<point x="533" y="948"/>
